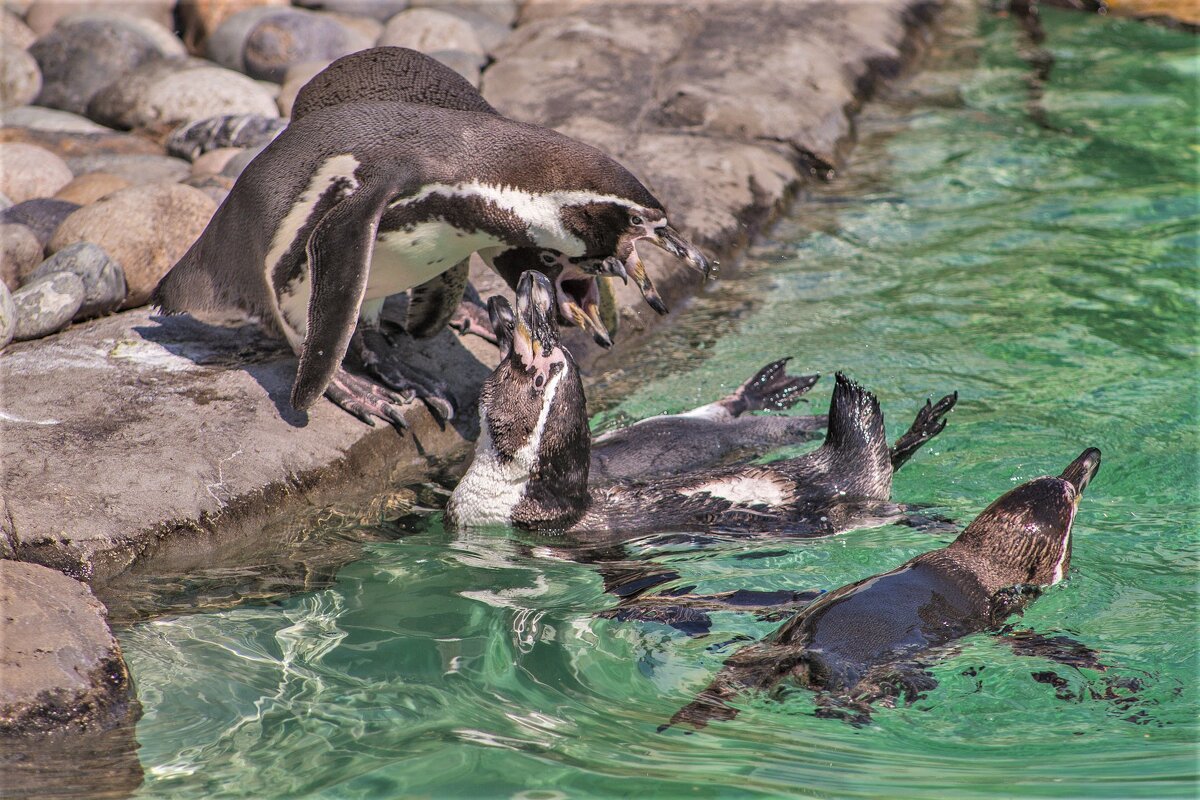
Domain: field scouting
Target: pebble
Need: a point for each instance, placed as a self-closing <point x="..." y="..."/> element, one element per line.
<point x="14" y="31"/>
<point x="8" y="316"/>
<point x="20" y="78"/>
<point x="199" y="19"/>
<point x="381" y="10"/>
<point x="91" y="187"/>
<point x="492" y="20"/>
<point x="290" y="36"/>
<point x="49" y="119"/>
<point x="369" y="29"/>
<point x="42" y="215"/>
<point x="428" y="31"/>
<point x="145" y="229"/>
<point x="47" y="305"/>
<point x="293" y="82"/>
<point x="212" y="162"/>
<point x="20" y="253"/>
<point x="465" y="64"/>
<point x="168" y="93"/>
<point x="235" y="165"/>
<point x="28" y="171"/>
<point x="103" y="279"/>
<point x="227" y="43"/>
<point x="215" y="186"/>
<point x="227" y="130"/>
<point x="136" y="168"/>
<point x="86" y="53"/>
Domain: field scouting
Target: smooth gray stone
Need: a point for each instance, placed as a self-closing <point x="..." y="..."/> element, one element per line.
<point x="49" y="119"/>
<point x="137" y="169"/>
<point x="291" y="36"/>
<point x="103" y="279"/>
<point x="228" y="42"/>
<point x="41" y="215"/>
<point x="47" y="305"/>
<point x="84" y="54"/>
<point x="8" y="315"/>
<point x="381" y="10"/>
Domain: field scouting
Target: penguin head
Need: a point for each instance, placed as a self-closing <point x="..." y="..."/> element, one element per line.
<point x="1024" y="538"/>
<point x="534" y="394"/>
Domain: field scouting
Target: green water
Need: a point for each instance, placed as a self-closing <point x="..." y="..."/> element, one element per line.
<point x="1049" y="276"/>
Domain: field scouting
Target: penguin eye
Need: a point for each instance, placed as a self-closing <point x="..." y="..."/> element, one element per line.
<point x="636" y="220"/>
<point x="548" y="259"/>
<point x="539" y="380"/>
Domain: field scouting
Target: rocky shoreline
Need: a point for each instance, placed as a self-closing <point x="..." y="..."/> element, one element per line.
<point x="136" y="445"/>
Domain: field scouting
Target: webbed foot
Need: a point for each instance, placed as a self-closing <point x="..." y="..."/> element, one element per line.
<point x="366" y="399"/>
<point x="929" y="423"/>
<point x="771" y="388"/>
<point x="382" y="362"/>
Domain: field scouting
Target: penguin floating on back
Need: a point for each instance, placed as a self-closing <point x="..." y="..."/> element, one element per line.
<point x="870" y="641"/>
<point x="531" y="462"/>
<point x="393" y="171"/>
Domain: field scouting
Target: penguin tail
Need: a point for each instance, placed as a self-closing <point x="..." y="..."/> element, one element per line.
<point x="855" y="420"/>
<point x="772" y="389"/>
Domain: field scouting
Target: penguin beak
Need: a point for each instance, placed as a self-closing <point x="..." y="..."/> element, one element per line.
<point x="535" y="333"/>
<point x="630" y="264"/>
<point x="669" y="239"/>
<point x="503" y="324"/>
<point x="1079" y="473"/>
<point x="579" y="303"/>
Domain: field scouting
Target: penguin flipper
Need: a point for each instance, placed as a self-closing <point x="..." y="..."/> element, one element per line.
<point x="434" y="302"/>
<point x="339" y="258"/>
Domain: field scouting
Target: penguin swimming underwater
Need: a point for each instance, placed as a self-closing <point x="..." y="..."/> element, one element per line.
<point x="356" y="201"/>
<point x="531" y="462"/>
<point x="864" y="642"/>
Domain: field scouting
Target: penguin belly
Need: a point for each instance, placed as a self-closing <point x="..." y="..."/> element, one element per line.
<point x="401" y="259"/>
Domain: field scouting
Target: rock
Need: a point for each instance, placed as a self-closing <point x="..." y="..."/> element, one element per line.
<point x="291" y="36"/>
<point x="167" y="93"/>
<point x="5" y="202"/>
<point x="235" y="165"/>
<point x="428" y="31"/>
<point x="14" y="31"/>
<point x="47" y="305"/>
<point x="215" y="186"/>
<point x="381" y="10"/>
<point x="89" y="188"/>
<point x="62" y="668"/>
<point x="43" y="15"/>
<point x="8" y="317"/>
<point x="369" y="29"/>
<point x="28" y="171"/>
<point x="135" y="168"/>
<point x="20" y="253"/>
<point x="20" y="78"/>
<point x="200" y="18"/>
<point x="227" y="43"/>
<point x="49" y="119"/>
<point x="212" y="162"/>
<point x="500" y="12"/>
<point x="465" y="64"/>
<point x="227" y="130"/>
<point x="297" y="75"/>
<point x="41" y="215"/>
<point x="145" y="229"/>
<point x="103" y="279"/>
<point x="86" y="53"/>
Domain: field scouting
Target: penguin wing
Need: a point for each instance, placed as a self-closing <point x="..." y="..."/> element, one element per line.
<point x="339" y="259"/>
<point x="435" y="301"/>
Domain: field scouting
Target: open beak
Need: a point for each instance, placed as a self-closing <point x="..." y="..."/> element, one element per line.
<point x="669" y="239"/>
<point x="579" y="304"/>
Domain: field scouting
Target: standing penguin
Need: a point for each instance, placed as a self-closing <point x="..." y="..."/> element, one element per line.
<point x="869" y="641"/>
<point x="358" y="200"/>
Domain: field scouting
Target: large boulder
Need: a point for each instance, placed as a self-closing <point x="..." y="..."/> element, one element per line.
<point x="145" y="229"/>
<point x="28" y="171"/>
<point x="85" y="53"/>
<point x="164" y="94"/>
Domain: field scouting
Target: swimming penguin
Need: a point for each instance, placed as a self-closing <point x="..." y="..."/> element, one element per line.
<point x="531" y="462"/>
<point x="869" y="641"/>
<point x="356" y="201"/>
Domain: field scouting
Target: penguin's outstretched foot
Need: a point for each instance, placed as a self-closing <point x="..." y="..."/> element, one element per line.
<point x="366" y="399"/>
<point x="771" y="389"/>
<point x="929" y="423"/>
<point x="381" y="361"/>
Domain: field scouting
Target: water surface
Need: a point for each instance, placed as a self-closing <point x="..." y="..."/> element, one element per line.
<point x="1046" y="272"/>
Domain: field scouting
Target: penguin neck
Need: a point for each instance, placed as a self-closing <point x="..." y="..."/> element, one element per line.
<point x="540" y="484"/>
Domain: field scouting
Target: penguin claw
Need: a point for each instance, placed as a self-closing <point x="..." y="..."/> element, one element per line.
<point x="366" y="400"/>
